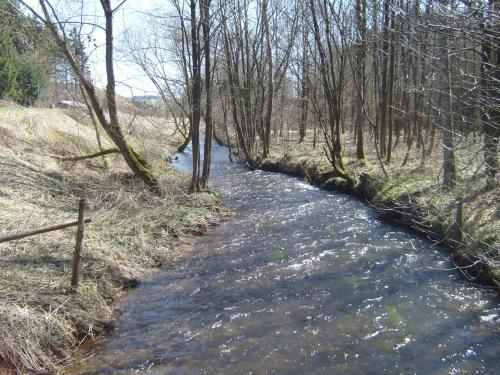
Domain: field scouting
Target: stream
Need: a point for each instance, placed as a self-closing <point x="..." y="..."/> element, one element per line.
<point x="302" y="281"/>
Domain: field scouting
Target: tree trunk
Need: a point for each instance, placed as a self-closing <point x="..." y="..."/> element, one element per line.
<point x="270" y="85"/>
<point x="196" y="92"/>
<point x="383" y="93"/>
<point x="390" y="83"/>
<point x="95" y="124"/>
<point x="303" y="88"/>
<point x="490" y="71"/>
<point x="232" y="77"/>
<point x="112" y="127"/>
<point x="207" y="152"/>
<point x="136" y="163"/>
<point x="187" y="139"/>
<point x="360" y="75"/>
<point x="449" y="165"/>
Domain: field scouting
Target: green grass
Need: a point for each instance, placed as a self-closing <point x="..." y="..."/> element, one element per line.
<point x="10" y="109"/>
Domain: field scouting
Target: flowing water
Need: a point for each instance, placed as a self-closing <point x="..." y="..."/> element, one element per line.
<point x="302" y="281"/>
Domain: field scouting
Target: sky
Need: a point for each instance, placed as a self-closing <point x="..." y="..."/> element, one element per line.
<point x="130" y="81"/>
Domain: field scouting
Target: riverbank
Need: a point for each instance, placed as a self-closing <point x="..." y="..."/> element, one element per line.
<point x="132" y="233"/>
<point x="307" y="280"/>
<point x="411" y="197"/>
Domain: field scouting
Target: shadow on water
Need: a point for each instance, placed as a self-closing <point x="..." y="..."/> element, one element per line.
<point x="302" y="281"/>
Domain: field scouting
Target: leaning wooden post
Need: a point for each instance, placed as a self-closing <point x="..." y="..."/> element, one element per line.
<point x="78" y="247"/>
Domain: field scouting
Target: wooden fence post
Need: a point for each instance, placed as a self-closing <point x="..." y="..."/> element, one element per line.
<point x="78" y="246"/>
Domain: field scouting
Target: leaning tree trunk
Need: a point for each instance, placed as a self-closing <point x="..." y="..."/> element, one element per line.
<point x="187" y="138"/>
<point x="112" y="127"/>
<point x="135" y="161"/>
<point x="95" y="124"/>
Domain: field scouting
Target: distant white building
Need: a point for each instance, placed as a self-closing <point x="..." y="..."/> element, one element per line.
<point x="69" y="104"/>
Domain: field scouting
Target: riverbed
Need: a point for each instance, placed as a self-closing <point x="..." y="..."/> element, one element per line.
<point x="302" y="281"/>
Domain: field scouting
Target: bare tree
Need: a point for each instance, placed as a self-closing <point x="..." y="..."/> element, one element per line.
<point x="359" y="73"/>
<point x="332" y="67"/>
<point x="270" y="84"/>
<point x="446" y="106"/>
<point x="136" y="163"/>
<point x="207" y="152"/>
<point x="196" y="93"/>
<point x="490" y="83"/>
<point x="304" y="89"/>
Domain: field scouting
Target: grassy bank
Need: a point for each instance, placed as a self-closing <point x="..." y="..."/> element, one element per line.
<point x="131" y="233"/>
<point x="411" y="196"/>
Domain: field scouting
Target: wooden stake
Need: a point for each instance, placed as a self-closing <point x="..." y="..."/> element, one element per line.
<point x="78" y="247"/>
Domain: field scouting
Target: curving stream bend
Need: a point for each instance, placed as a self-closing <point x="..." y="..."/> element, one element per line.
<point x="302" y="281"/>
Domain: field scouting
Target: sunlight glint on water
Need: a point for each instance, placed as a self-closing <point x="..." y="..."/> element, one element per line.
<point x="302" y="281"/>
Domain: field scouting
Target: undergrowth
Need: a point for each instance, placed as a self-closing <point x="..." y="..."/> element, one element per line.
<point x="415" y="190"/>
<point x="132" y="230"/>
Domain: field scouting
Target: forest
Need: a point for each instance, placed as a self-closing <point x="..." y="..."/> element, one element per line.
<point x="392" y="103"/>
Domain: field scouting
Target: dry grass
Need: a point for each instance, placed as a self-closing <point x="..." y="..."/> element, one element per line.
<point x="132" y="231"/>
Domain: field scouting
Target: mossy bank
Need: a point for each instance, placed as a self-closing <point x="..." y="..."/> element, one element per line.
<point x="133" y="231"/>
<point x="417" y="206"/>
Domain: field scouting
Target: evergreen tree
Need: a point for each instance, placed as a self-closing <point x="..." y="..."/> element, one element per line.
<point x="23" y="73"/>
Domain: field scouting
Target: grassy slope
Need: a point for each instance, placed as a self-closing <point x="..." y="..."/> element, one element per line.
<point x="132" y="230"/>
<point x="413" y="196"/>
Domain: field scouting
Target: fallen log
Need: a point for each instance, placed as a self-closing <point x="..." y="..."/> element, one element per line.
<point x="88" y="156"/>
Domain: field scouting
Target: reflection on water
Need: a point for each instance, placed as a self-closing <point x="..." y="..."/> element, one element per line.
<point x="302" y="281"/>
